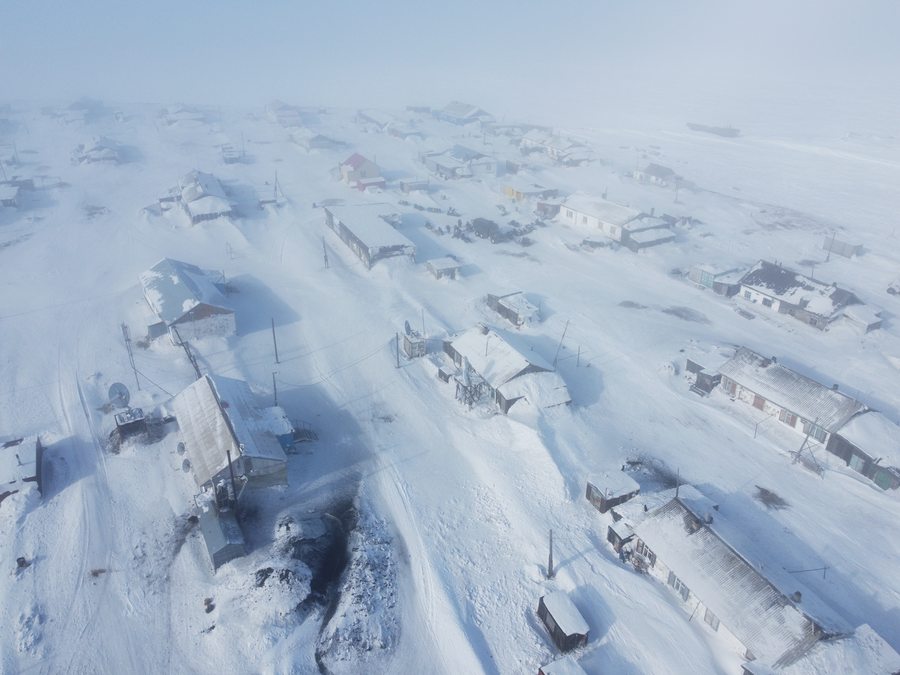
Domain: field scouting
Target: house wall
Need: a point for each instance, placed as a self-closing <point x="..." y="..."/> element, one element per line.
<point x="754" y="296"/>
<point x="862" y="462"/>
<point x="220" y="325"/>
<point x="367" y="169"/>
<point x="585" y="220"/>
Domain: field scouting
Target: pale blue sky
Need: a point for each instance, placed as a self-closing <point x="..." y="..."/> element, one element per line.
<point x="391" y="53"/>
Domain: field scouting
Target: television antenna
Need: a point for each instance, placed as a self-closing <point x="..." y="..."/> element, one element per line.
<point x="119" y="395"/>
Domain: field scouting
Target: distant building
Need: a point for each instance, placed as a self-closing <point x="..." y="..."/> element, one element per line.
<point x="617" y="222"/>
<point x="514" y="307"/>
<point x="98" y="149"/>
<point x="444" y="267"/>
<point x="492" y="366"/>
<point x="9" y="196"/>
<point x="762" y="615"/>
<point x="201" y="196"/>
<point x="657" y="175"/>
<point x="185" y="301"/>
<point x="407" y="186"/>
<point x="356" y="167"/>
<point x="808" y="300"/>
<point x="520" y="189"/>
<point x="364" y="184"/>
<point x="807" y="407"/>
<point x="308" y="139"/>
<point x="459" y="162"/>
<point x="284" y="114"/>
<point x="720" y="279"/>
<point x="841" y="247"/>
<point x="224" y="430"/>
<point x="366" y="232"/>
<point x="378" y="118"/>
<point x="462" y="113"/>
<point x="182" y="114"/>
<point x="564" y="151"/>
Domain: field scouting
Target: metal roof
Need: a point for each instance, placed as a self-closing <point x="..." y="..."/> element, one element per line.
<point x="196" y="185"/>
<point x="792" y="287"/>
<point x="493" y="357"/>
<point x="876" y="435"/>
<point x="752" y="608"/>
<point x="787" y="389"/>
<point x="174" y="288"/>
<point x="355" y="161"/>
<point x="602" y="209"/>
<point x="366" y="223"/>
<point x="463" y="110"/>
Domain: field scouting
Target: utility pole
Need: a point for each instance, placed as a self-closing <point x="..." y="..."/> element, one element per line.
<point x="325" y="251"/>
<point x="578" y="358"/>
<point x="275" y="386"/>
<point x="397" y="336"/>
<point x="833" y="235"/>
<point x="126" y="333"/>
<point x="274" y="342"/>
<point x="550" y="573"/>
<point x="423" y="323"/>
<point x="555" y="358"/>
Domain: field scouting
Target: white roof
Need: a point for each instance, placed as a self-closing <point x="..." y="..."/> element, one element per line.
<point x="493" y="357"/>
<point x="209" y="205"/>
<point x="565" y="613"/>
<point x="876" y="435"/>
<point x="864" y="314"/>
<point x="648" y="236"/>
<point x="8" y="191"/>
<point x="446" y="263"/>
<point x="379" y="117"/>
<point x="603" y="209"/>
<point x="614" y="483"/>
<point x="542" y="390"/>
<point x="366" y="224"/>
<point x="210" y="430"/>
<point x="519" y="303"/>
<point x="645" y="223"/>
<point x="173" y="288"/>
<point x="566" y="666"/>
<point x="17" y="462"/>
<point x="197" y="184"/>
<point x="795" y="288"/>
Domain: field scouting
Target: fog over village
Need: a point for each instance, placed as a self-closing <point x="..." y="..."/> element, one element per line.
<point x="480" y="337"/>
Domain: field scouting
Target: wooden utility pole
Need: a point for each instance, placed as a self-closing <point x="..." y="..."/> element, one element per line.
<point x="555" y="358"/>
<point x="550" y="574"/>
<point x="275" y="387"/>
<point x="325" y="251"/>
<point x="397" y="335"/>
<point x="274" y="341"/>
<point x="578" y="358"/>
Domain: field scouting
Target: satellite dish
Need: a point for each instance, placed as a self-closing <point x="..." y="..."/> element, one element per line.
<point x="180" y="448"/>
<point x="186" y="465"/>
<point x="408" y="329"/>
<point x="118" y="395"/>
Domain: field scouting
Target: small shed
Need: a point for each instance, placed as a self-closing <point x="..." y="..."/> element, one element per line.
<point x="708" y="275"/>
<point x="707" y="378"/>
<point x="564" y="666"/>
<point x="407" y="186"/>
<point x="865" y="317"/>
<point x="364" y="184"/>
<point x="308" y="139"/>
<point x="514" y="308"/>
<point x="131" y="422"/>
<point x="654" y="235"/>
<point x="619" y="533"/>
<point x="203" y="197"/>
<point x="21" y="462"/>
<point x="841" y="247"/>
<point x="870" y="444"/>
<point x="611" y="489"/>
<point x="564" y="622"/>
<point x="221" y="534"/>
<point x="230" y="155"/>
<point x="9" y="196"/>
<point x="444" y="267"/>
<point x="98" y="149"/>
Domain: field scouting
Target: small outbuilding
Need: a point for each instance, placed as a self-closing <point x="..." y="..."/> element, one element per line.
<point x="9" y="196"/>
<point x="564" y="666"/>
<point x="610" y="489"/>
<point x="407" y="186"/>
<point x="221" y="534"/>
<point x="563" y="621"/>
<point x="514" y="308"/>
<point x="445" y="267"/>
<point x="98" y="149"/>
<point x="870" y="444"/>
<point x="364" y="184"/>
<point x="284" y="114"/>
<point x="839" y="247"/>
<point x="202" y="197"/>
<point x="462" y="113"/>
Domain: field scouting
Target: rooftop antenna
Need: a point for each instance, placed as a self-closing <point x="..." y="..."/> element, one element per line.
<point x="677" y="482"/>
<point x="119" y="395"/>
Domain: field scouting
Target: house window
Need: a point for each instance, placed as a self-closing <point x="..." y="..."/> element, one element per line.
<point x="711" y="619"/>
<point x="813" y="321"/>
<point x="758" y="401"/>
<point x="747" y="294"/>
<point x="788" y="418"/>
<point x="569" y="214"/>
<point x="767" y="302"/>
<point x="645" y="551"/>
<point x="679" y="586"/>
<point x="584" y="220"/>
<point x="815" y="431"/>
<point x="857" y="463"/>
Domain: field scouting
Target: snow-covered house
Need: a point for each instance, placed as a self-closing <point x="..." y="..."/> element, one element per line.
<point x="492" y="365"/>
<point x="366" y="232"/>
<point x="645" y="231"/>
<point x="444" y="267"/>
<point x="98" y="149"/>
<point x="562" y="150"/>
<point x="564" y="666"/>
<point x="657" y="175"/>
<point x="9" y="196"/>
<point x="563" y="621"/>
<point x="865" y="651"/>
<point x="357" y="167"/>
<point x="308" y="139"/>
<point x="521" y="189"/>
<point x="462" y="113"/>
<point x="514" y="307"/>
<point x="870" y="444"/>
<point x="183" y="114"/>
<point x="284" y="114"/>
<point x="787" y="292"/>
<point x="749" y="609"/>
<point x="201" y="196"/>
<point x="224" y="430"/>
<point x="184" y="300"/>
<point x="459" y="162"/>
<point x="597" y="213"/>
<point x="21" y="463"/>
<point x="610" y="489"/>
<point x="379" y="118"/>
<point x="803" y="404"/>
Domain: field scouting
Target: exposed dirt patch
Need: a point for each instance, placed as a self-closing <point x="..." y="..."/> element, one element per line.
<point x="630" y="304"/>
<point x="687" y="314"/>
<point x="770" y="499"/>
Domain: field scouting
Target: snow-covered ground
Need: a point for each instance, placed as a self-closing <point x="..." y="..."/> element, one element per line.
<point x="450" y="508"/>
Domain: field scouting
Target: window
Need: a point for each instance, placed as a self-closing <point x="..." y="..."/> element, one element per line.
<point x="747" y="294"/>
<point x="679" y="586"/>
<point x="814" y="431"/>
<point x="584" y="219"/>
<point x="758" y="402"/>
<point x="767" y="302"/>
<point x="644" y="550"/>
<point x="788" y="418"/>
<point x="569" y="214"/>
<point x="711" y="619"/>
<point x="857" y="463"/>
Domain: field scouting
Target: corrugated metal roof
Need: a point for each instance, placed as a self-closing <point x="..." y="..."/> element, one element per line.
<point x="796" y="289"/>
<point x="366" y="223"/>
<point x="760" y="616"/>
<point x="876" y="435"/>
<point x="196" y="185"/>
<point x="787" y="389"/>
<point x="493" y="357"/>
<point x="173" y="288"/>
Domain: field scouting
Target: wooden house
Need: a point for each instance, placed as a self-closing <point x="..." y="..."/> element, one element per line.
<point x="657" y="175"/>
<point x="706" y="374"/>
<point x="787" y="292"/>
<point x="521" y="189"/>
<point x="98" y="149"/>
<point x="808" y="407"/>
<point x="492" y="365"/>
<point x="706" y="563"/>
<point x="563" y="621"/>
<point x="224" y="430"/>
<point x="514" y="307"/>
<point x="284" y="114"/>
<point x="366" y="232"/>
<point x="565" y="151"/>
<point x="645" y="232"/>
<point x="611" y="489"/>
<point x="185" y="302"/>
<point x="308" y="139"/>
<point x="870" y="444"/>
<point x="445" y="267"/>
<point x="202" y="197"/>
<point x="462" y="113"/>
<point x="357" y="167"/>
<point x="564" y="666"/>
<point x="407" y="186"/>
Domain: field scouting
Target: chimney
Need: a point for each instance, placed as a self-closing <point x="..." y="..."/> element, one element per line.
<point x="796" y="596"/>
<point x="834" y="387"/>
<point x="652" y="209"/>
<point x="774" y="359"/>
